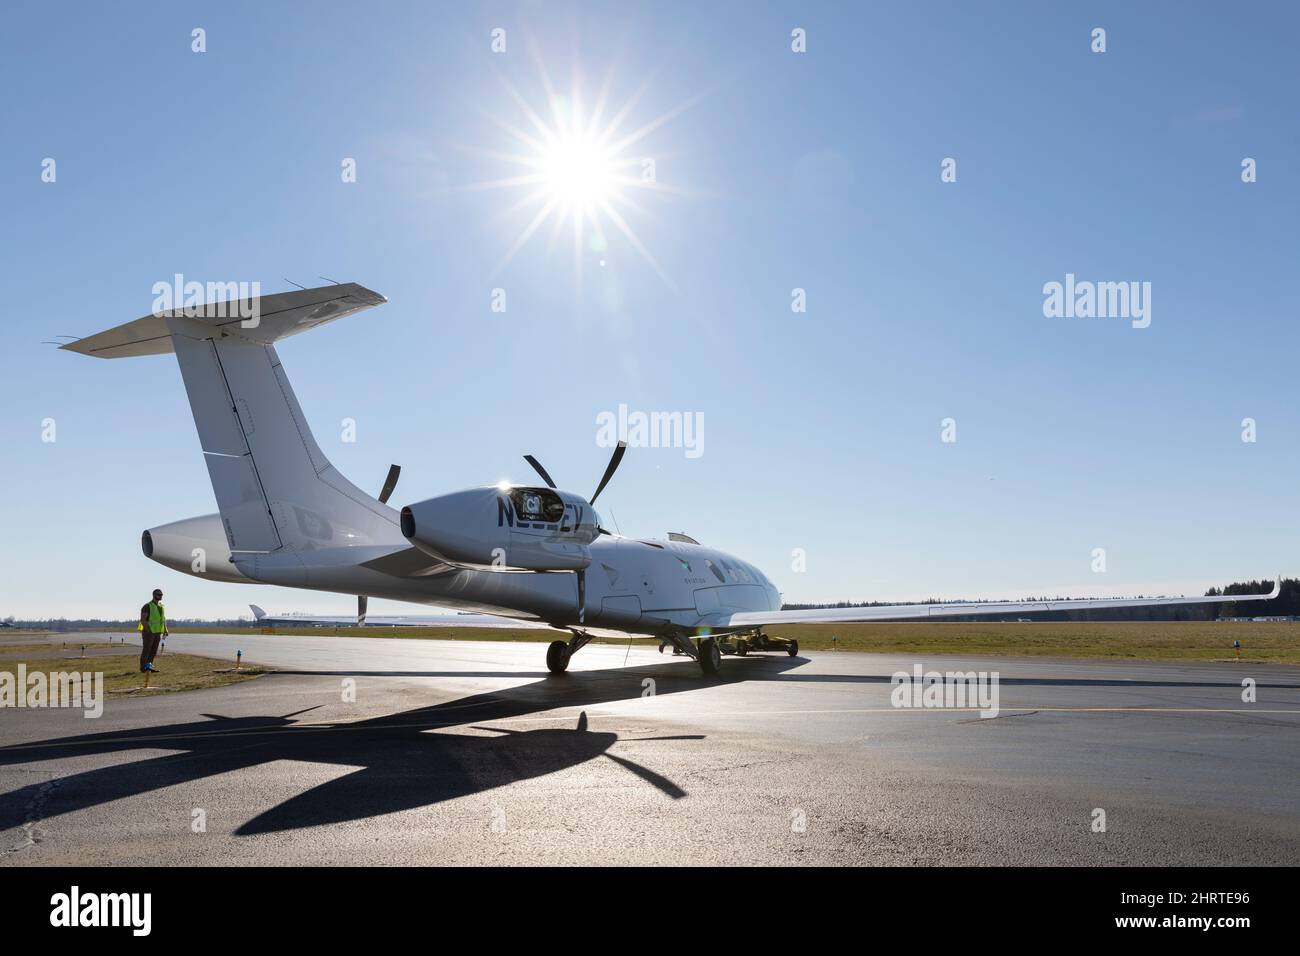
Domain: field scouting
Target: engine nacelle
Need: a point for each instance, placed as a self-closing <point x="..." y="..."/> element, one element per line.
<point x="505" y="527"/>
<point x="194" y="546"/>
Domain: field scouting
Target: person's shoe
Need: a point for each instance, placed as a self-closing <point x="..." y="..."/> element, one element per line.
<point x="151" y="669"/>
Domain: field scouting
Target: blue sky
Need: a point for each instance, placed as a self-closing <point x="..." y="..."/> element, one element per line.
<point x="817" y="170"/>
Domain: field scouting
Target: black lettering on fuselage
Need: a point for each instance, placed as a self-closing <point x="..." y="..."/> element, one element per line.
<point x="505" y="511"/>
<point x="577" y="512"/>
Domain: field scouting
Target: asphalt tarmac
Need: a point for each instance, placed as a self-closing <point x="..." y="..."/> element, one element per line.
<point x="407" y="751"/>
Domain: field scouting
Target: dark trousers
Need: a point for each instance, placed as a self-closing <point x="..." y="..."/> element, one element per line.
<point x="149" y="650"/>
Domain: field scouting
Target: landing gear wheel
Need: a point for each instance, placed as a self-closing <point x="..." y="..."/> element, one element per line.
<point x="792" y="648"/>
<point x="710" y="656"/>
<point x="557" y="657"/>
<point x="742" y="648"/>
<point x="661" y="648"/>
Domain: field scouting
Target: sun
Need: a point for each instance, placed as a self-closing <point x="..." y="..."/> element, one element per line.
<point x="578" y="170"/>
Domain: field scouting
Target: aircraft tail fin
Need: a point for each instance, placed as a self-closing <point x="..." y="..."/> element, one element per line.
<point x="258" y="613"/>
<point x="275" y="489"/>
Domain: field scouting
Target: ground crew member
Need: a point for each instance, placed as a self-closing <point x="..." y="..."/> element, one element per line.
<point x="152" y="628"/>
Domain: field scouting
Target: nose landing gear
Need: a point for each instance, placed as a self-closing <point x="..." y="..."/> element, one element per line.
<point x="558" y="653"/>
<point x="557" y="657"/>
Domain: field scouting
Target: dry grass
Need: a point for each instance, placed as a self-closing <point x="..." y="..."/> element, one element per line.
<point x="1277" y="642"/>
<point x="533" y="634"/>
<point x="12" y="649"/>
<point x="122" y="677"/>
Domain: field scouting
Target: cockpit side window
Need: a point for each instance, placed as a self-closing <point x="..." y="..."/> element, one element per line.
<point x="537" y="504"/>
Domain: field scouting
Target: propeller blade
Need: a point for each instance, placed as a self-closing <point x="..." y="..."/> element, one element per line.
<point x="390" y="483"/>
<point x="537" y="467"/>
<point x="362" y="601"/>
<point x="665" y="786"/>
<point x="303" y="711"/>
<point x="609" y="470"/>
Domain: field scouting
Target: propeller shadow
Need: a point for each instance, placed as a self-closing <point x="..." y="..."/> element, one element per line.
<point x="405" y="761"/>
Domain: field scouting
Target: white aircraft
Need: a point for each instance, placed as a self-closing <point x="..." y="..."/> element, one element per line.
<point x="287" y="517"/>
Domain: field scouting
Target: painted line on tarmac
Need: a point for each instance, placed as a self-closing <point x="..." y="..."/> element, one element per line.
<point x="364" y="724"/>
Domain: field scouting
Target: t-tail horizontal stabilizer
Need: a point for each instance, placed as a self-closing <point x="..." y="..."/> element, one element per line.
<point x="263" y="319"/>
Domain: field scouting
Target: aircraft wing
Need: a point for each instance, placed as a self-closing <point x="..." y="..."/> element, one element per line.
<point x="912" y="612"/>
<point x="401" y="620"/>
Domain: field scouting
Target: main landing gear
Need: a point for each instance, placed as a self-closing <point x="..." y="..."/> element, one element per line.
<point x="706" y="650"/>
<point x="740" y="644"/>
<point x="710" y="656"/>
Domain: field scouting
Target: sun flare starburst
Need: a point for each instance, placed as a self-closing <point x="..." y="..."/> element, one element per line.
<point x="578" y="171"/>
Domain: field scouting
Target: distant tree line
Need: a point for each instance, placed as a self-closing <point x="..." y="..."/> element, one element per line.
<point x="1286" y="604"/>
<point x="105" y="624"/>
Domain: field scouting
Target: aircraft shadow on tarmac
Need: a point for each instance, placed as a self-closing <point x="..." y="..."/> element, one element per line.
<point x="404" y="762"/>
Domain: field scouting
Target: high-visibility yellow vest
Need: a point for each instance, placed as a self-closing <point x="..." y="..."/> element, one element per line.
<point x="157" y="620"/>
